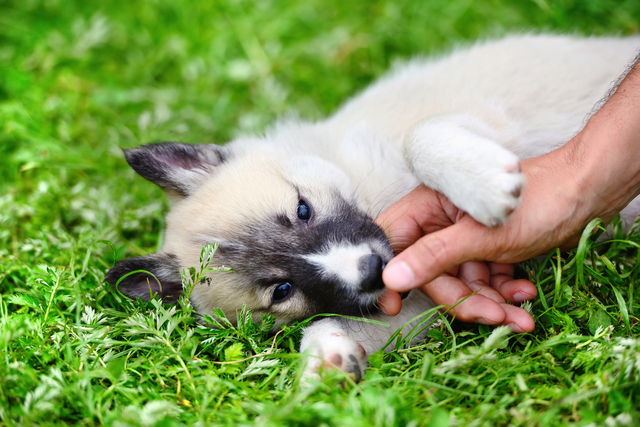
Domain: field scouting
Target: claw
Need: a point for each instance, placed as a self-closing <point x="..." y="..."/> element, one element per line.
<point x="353" y="367"/>
<point x="494" y="222"/>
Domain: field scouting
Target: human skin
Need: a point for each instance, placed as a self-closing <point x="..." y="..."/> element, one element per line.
<point x="449" y="256"/>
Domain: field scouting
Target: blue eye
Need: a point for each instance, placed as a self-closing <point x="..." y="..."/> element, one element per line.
<point x="282" y="292"/>
<point x="304" y="211"/>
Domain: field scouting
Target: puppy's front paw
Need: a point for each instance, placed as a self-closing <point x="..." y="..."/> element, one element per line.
<point x="458" y="155"/>
<point x="497" y="192"/>
<point x="335" y="350"/>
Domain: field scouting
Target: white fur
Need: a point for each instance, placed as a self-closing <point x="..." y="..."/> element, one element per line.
<point x="341" y="261"/>
<point x="352" y="339"/>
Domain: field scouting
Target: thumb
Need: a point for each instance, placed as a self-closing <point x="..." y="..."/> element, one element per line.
<point x="433" y="255"/>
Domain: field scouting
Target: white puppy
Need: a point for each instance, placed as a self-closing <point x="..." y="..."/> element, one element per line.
<point x="292" y="210"/>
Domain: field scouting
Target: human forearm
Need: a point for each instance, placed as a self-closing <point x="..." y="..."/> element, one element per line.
<point x="606" y="153"/>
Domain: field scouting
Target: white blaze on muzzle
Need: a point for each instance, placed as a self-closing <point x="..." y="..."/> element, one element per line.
<point x="342" y="261"/>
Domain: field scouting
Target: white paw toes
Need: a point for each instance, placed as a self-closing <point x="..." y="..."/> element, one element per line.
<point x="335" y="351"/>
<point x="460" y="155"/>
<point x="496" y="194"/>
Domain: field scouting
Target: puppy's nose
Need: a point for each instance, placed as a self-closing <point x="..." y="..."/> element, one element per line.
<point x="371" y="269"/>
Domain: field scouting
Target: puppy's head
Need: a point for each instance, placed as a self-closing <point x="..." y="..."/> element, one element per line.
<point x="288" y="226"/>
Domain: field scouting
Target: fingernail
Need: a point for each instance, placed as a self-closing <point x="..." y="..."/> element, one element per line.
<point x="399" y="276"/>
<point x="521" y="297"/>
<point x="515" y="328"/>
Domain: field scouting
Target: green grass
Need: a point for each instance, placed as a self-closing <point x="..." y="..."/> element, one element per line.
<point x="81" y="79"/>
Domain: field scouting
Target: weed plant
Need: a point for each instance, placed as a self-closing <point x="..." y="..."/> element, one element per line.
<point x="81" y="79"/>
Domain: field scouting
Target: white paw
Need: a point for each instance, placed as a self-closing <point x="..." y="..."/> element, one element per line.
<point x="458" y="155"/>
<point x="494" y="191"/>
<point x="335" y="350"/>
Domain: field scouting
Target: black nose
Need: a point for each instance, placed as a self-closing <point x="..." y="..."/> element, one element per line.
<point x="371" y="267"/>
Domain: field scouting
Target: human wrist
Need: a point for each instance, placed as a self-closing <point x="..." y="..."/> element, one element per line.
<point x="559" y="192"/>
<point x="582" y="179"/>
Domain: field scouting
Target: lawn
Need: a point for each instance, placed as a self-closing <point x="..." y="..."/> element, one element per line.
<point x="79" y="80"/>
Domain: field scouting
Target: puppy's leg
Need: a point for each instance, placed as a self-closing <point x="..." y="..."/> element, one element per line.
<point x="341" y="343"/>
<point x="457" y="154"/>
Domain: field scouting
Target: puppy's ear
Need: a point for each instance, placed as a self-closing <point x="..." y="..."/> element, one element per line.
<point x="167" y="282"/>
<point x="176" y="167"/>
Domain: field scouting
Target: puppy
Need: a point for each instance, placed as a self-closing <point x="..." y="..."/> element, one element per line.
<point x="292" y="210"/>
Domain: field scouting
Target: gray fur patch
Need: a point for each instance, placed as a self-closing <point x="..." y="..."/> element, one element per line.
<point x="275" y="252"/>
<point x="145" y="276"/>
<point x="175" y="166"/>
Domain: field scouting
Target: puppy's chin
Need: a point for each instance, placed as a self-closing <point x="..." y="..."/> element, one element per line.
<point x="363" y="305"/>
<point x="371" y="301"/>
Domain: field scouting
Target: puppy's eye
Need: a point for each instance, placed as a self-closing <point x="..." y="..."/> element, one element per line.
<point x="282" y="292"/>
<point x="304" y="211"/>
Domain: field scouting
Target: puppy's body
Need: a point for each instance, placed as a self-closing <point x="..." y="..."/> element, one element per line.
<point x="292" y="210"/>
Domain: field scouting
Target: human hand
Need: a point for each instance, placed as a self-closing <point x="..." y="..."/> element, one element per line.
<point x="596" y="174"/>
<point x="427" y="211"/>
<point x="433" y="237"/>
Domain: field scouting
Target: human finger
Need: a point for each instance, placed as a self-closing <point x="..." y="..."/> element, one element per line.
<point x="518" y="319"/>
<point x="401" y="230"/>
<point x="452" y="292"/>
<point x="419" y="212"/>
<point x="390" y="302"/>
<point x="476" y="275"/>
<point x="496" y="268"/>
<point x="496" y="281"/>
<point x="514" y="290"/>
<point x="430" y="256"/>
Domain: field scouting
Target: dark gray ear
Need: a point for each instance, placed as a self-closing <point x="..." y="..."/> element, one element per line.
<point x="175" y="166"/>
<point x="167" y="282"/>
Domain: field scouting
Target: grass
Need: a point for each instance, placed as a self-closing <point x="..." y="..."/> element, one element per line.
<point x="80" y="79"/>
